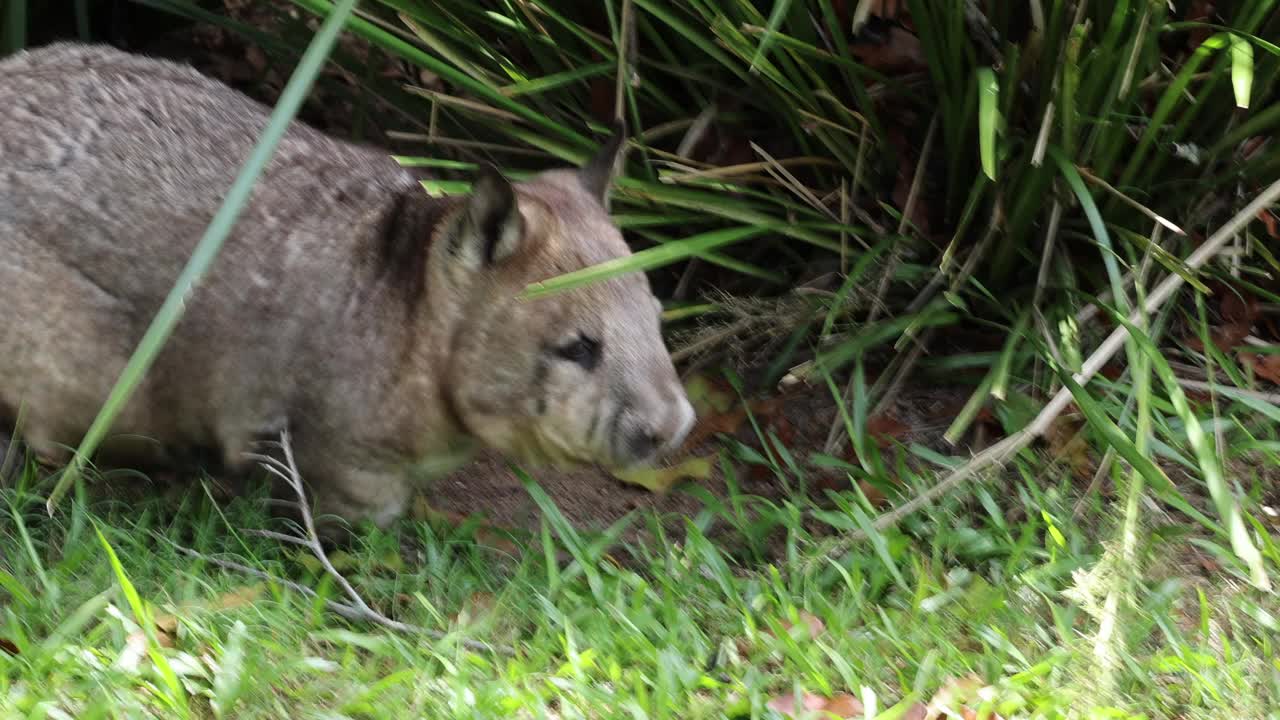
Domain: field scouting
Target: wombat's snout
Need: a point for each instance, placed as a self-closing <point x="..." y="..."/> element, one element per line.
<point x="661" y="431"/>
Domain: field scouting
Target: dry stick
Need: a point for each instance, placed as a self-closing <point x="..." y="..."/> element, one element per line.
<point x="356" y="608"/>
<point x="289" y="474"/>
<point x="1042" y="279"/>
<point x="624" y="59"/>
<point x="341" y="609"/>
<point x="1228" y="390"/>
<point x="887" y="392"/>
<point x="1152" y="214"/>
<point x="1007" y="447"/>
<point x="912" y="195"/>
<point x="894" y="386"/>
<point x="792" y="183"/>
<point x="877" y="302"/>
<point x="1108" y="458"/>
<point x="694" y="135"/>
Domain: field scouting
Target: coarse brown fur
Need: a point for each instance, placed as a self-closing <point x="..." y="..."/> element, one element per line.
<point x="378" y="324"/>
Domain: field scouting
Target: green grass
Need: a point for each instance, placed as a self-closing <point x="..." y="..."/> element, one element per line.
<point x="1002" y="584"/>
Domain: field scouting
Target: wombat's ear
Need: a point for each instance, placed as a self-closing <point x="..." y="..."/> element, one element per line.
<point x="597" y="175"/>
<point x="492" y="227"/>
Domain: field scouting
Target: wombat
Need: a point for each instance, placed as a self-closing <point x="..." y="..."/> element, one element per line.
<point x="380" y="325"/>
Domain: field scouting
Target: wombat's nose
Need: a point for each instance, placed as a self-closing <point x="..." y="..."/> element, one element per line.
<point x="667" y="433"/>
<point x="685" y="418"/>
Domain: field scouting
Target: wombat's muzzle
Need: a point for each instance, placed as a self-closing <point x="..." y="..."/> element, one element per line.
<point x="658" y="432"/>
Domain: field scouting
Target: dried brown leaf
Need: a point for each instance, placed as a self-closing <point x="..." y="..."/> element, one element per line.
<point x="1268" y="219"/>
<point x="1264" y="366"/>
<point x="1067" y="445"/>
<point x="916" y="712"/>
<point x="952" y="699"/>
<point x="842" y="705"/>
<point x="896" y="52"/>
<point x="786" y="704"/>
<point x="813" y="625"/>
<point x="1223" y="337"/>
<point x="885" y="429"/>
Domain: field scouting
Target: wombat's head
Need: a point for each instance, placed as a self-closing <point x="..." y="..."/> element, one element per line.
<point x="575" y="377"/>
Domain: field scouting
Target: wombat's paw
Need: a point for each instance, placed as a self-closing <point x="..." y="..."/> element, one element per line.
<point x="333" y="532"/>
<point x="364" y="496"/>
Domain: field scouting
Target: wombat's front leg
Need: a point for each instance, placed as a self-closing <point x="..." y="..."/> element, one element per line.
<point x="357" y="494"/>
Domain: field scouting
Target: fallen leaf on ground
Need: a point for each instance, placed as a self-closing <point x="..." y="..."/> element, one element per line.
<point x="782" y="429"/>
<point x="715" y="424"/>
<point x="135" y="648"/>
<point x="873" y="493"/>
<point x="842" y="705"/>
<point x="1237" y="308"/>
<point x="1268" y="218"/>
<point x="813" y="625"/>
<point x="478" y="604"/>
<point x="1067" y="445"/>
<point x="1238" y="312"/>
<point x="8" y="646"/>
<point x="1199" y="11"/>
<point x="1111" y="371"/>
<point x="886" y="428"/>
<point x="953" y="699"/>
<point x="916" y="712"/>
<point x="839" y="481"/>
<point x="168" y="624"/>
<point x="891" y="52"/>
<point x="709" y="395"/>
<point x="660" y="480"/>
<point x="1264" y="366"/>
<point x="238" y="597"/>
<point x="729" y="421"/>
<point x="1223" y="337"/>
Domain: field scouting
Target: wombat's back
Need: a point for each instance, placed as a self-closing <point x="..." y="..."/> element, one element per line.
<point x="100" y="146"/>
<point x="111" y="168"/>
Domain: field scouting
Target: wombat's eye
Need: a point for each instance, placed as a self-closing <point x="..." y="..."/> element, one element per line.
<point x="582" y="350"/>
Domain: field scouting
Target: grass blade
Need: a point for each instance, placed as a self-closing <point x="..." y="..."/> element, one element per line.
<point x="1241" y="70"/>
<point x="1207" y="458"/>
<point x="644" y="260"/>
<point x="780" y="8"/>
<point x="988" y="119"/>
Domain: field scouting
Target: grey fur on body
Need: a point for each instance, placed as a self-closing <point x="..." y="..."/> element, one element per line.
<point x="380" y="325"/>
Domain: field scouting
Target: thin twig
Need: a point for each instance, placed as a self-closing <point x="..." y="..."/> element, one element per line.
<point x="290" y="474"/>
<point x="1006" y="448"/>
<point x="877" y="303"/>
<point x="356" y="608"/>
<point x="278" y="537"/>
<point x="1229" y="390"/>
<point x="710" y="341"/>
<point x="1128" y="200"/>
<point x="624" y="59"/>
<point x="782" y="175"/>
<point x="341" y="609"/>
